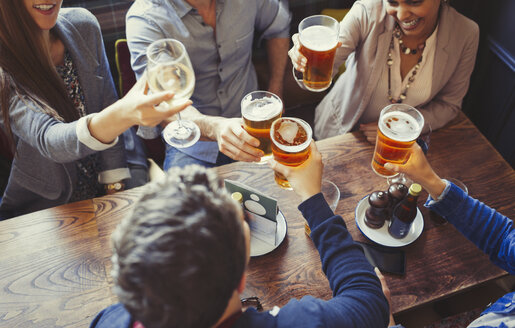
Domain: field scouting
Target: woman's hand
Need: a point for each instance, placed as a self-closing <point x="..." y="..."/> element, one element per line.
<point x="136" y="108"/>
<point x="305" y="179"/>
<point x="417" y="168"/>
<point x="297" y="59"/>
<point x="369" y="130"/>
<point x="149" y="110"/>
<point x="235" y="142"/>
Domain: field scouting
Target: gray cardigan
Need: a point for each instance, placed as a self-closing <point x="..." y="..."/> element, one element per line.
<point x="43" y="172"/>
<point x="365" y="33"/>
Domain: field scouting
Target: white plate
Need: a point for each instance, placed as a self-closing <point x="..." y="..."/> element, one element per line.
<point x="382" y="236"/>
<point x="259" y="247"/>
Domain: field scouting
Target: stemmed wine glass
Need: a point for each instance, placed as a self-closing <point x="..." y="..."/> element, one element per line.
<point x="169" y="69"/>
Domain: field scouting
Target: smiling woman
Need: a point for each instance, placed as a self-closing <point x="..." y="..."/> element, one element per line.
<point x="417" y="52"/>
<point x="59" y="107"/>
<point x="417" y="19"/>
<point x="43" y="12"/>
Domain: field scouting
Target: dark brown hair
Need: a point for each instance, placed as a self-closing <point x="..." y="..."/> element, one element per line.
<point x="181" y="254"/>
<point x="26" y="68"/>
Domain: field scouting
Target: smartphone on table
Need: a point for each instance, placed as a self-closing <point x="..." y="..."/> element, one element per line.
<point x="387" y="259"/>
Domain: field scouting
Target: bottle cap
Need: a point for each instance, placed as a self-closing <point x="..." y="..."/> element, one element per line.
<point x="237" y="196"/>
<point x="415" y="189"/>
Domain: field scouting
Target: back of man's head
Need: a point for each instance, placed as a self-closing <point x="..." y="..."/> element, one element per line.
<point x="180" y="256"/>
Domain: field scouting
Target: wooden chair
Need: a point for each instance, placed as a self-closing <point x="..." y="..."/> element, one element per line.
<point x="126" y="79"/>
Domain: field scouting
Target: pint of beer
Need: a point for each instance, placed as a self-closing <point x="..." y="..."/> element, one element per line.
<point x="318" y="36"/>
<point x="259" y="110"/>
<point x="290" y="144"/>
<point x="398" y="128"/>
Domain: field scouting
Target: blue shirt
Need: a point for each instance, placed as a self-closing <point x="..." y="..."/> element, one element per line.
<point x="358" y="300"/>
<point x="491" y="232"/>
<point x="222" y="60"/>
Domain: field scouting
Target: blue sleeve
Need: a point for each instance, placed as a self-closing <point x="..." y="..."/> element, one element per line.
<point x="489" y="230"/>
<point x="114" y="316"/>
<point x="358" y="300"/>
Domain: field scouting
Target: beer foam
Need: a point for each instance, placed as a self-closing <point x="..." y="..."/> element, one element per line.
<point x="260" y="109"/>
<point x="319" y="38"/>
<point x="400" y="126"/>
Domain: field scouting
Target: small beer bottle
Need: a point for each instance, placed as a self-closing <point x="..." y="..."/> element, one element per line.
<point x="396" y="193"/>
<point x="404" y="213"/>
<point x="237" y="196"/>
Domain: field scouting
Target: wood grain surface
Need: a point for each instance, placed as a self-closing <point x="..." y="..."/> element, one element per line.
<point x="55" y="264"/>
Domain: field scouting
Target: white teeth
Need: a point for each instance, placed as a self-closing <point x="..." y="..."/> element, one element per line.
<point x="44" y="7"/>
<point x="411" y="23"/>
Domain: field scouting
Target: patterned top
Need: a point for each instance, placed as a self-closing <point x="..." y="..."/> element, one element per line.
<point x="88" y="167"/>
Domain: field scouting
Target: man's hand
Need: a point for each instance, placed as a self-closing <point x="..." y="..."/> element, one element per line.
<point x="305" y="179"/>
<point x="235" y="142"/>
<point x="417" y="168"/>
<point x="370" y="131"/>
<point x="386" y="292"/>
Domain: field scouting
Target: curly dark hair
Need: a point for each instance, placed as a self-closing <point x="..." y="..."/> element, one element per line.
<point x="181" y="254"/>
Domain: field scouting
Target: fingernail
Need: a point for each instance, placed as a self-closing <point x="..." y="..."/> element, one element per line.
<point x="388" y="166"/>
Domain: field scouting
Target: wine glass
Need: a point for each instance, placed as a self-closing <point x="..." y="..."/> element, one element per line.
<point x="423" y="141"/>
<point x="398" y="128"/>
<point x="169" y="69"/>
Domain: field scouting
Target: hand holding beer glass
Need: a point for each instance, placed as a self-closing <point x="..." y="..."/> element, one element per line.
<point x="259" y="110"/>
<point x="318" y="41"/>
<point x="397" y="130"/>
<point x="291" y="138"/>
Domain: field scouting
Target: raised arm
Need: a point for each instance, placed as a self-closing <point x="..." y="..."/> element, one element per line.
<point x="358" y="300"/>
<point x="488" y="229"/>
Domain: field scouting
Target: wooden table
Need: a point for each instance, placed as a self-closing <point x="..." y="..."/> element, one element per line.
<point x="55" y="264"/>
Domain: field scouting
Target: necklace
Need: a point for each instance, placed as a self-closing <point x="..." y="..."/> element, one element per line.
<point x="407" y="51"/>
<point x="389" y="63"/>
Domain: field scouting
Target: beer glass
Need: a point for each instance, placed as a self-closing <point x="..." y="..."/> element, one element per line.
<point x="398" y="128"/>
<point x="291" y="138"/>
<point x="259" y="110"/>
<point x="169" y="69"/>
<point x="318" y="38"/>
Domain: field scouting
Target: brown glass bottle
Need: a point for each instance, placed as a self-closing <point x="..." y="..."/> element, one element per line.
<point x="404" y="213"/>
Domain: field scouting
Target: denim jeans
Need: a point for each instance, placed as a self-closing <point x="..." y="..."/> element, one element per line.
<point x="176" y="158"/>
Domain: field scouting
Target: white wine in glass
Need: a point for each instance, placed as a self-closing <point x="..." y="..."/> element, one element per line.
<point x="169" y="69"/>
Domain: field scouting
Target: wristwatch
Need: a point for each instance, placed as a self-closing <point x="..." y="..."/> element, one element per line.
<point x="117" y="186"/>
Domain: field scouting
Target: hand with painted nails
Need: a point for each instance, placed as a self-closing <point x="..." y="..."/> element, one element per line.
<point x="418" y="169"/>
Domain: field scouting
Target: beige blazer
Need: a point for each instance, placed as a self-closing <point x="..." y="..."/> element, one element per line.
<point x="365" y="33"/>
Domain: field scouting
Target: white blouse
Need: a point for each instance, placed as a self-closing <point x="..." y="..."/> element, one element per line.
<point x="419" y="90"/>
